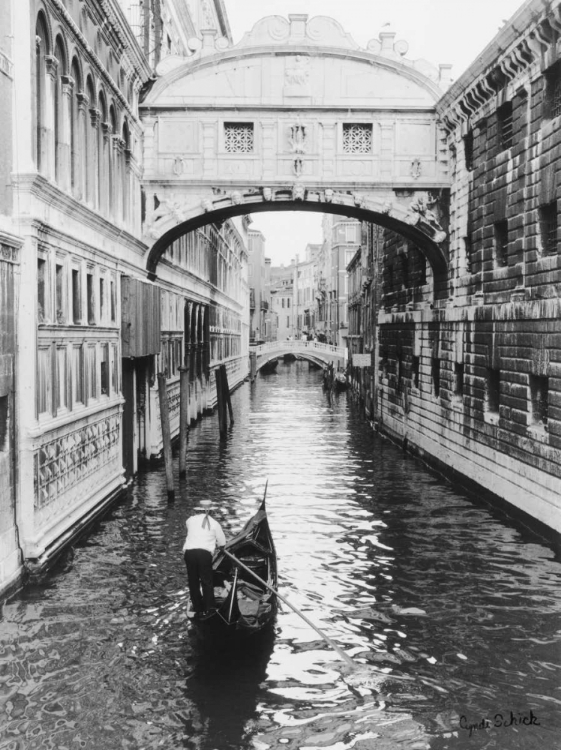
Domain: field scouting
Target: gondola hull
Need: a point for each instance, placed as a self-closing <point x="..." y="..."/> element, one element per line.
<point x="244" y="607"/>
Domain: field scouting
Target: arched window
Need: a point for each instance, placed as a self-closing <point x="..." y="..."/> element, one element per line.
<point x="102" y="155"/>
<point x="125" y="174"/>
<point x="41" y="126"/>
<point x="113" y="167"/>
<point x="91" y="145"/>
<point x="75" y="139"/>
<point x="58" y="111"/>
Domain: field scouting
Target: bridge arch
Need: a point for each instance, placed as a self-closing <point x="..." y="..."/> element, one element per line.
<point x="313" y="351"/>
<point x="296" y="116"/>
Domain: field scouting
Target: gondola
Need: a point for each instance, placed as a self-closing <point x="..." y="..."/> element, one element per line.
<point x="243" y="606"/>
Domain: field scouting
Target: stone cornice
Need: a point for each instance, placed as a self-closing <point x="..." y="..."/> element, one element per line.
<point x="48" y="193"/>
<point x="528" y="41"/>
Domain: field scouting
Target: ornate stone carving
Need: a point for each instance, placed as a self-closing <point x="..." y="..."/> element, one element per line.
<point x="297" y="139"/>
<point x="360" y="200"/>
<point x="387" y="207"/>
<point x="416" y="169"/>
<point x="298" y="192"/>
<point x="298" y="167"/>
<point x="206" y="205"/>
<point x="267" y="194"/>
<point x="236" y="198"/>
<point x="328" y="195"/>
<point x="297" y="76"/>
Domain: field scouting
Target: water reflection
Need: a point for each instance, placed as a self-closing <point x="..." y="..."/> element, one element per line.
<point x="453" y="608"/>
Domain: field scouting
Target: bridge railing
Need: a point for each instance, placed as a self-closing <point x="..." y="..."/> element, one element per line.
<point x="298" y="346"/>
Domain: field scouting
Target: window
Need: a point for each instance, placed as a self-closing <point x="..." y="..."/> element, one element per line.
<point x="435" y="371"/>
<point x="288" y="321"/>
<point x="468" y="150"/>
<point x="238" y="137"/>
<point x="90" y="299"/>
<point x="539" y="393"/>
<point x="288" y="302"/>
<point x="357" y="138"/>
<point x="501" y="243"/>
<point x="492" y="390"/>
<point x="548" y="228"/>
<point x="3" y="423"/>
<point x="91" y="369"/>
<point x="458" y="379"/>
<point x="41" y="289"/>
<point x="44" y="380"/>
<point x="102" y="310"/>
<point x="59" y="292"/>
<point x="283" y="302"/>
<point x="61" y="392"/>
<point x="468" y="251"/>
<point x="504" y="121"/>
<point x="76" y="297"/>
<point x="552" y="101"/>
<point x="113" y="294"/>
<point x="415" y="366"/>
<point x="104" y="369"/>
<point x="114" y="370"/>
<point x="77" y="374"/>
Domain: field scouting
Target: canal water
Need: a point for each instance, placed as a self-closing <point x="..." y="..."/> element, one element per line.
<point x="455" y="609"/>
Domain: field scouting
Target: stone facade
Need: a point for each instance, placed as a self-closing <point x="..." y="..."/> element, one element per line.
<point x="472" y="381"/>
<point x="92" y="332"/>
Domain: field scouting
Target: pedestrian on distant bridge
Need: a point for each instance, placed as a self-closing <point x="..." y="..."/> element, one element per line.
<point x="204" y="534"/>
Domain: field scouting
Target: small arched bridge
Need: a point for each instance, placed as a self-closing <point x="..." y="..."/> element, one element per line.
<point x="313" y="351"/>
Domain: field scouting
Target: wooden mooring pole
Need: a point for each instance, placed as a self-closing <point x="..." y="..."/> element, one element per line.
<point x="183" y="418"/>
<point x="166" y="434"/>
<point x="226" y="387"/>
<point x="220" y="403"/>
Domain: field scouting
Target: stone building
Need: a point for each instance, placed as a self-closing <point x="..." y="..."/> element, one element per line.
<point x="282" y="300"/>
<point x="470" y="372"/>
<point x="83" y="332"/>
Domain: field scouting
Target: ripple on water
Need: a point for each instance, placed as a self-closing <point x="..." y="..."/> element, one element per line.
<point x="454" y="611"/>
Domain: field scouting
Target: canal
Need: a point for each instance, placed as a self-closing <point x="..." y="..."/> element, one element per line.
<point x="455" y="608"/>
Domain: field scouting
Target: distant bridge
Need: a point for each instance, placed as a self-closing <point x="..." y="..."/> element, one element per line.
<point x="314" y="351"/>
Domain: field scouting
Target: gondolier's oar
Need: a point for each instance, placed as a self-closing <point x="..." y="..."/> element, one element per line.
<point x="331" y="642"/>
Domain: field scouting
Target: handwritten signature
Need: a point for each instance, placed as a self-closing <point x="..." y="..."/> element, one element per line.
<point x="500" y="720"/>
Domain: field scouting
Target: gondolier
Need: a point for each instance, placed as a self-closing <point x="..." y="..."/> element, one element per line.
<point x="204" y="534"/>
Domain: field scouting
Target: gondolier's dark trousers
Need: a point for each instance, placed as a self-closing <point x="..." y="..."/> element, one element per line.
<point x="199" y="576"/>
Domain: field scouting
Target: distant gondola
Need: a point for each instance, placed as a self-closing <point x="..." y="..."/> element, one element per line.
<point x="243" y="606"/>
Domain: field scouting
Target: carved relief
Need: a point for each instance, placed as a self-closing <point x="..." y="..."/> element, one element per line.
<point x="298" y="192"/>
<point x="328" y="195"/>
<point x="267" y="194"/>
<point x="416" y="169"/>
<point x="297" y="139"/>
<point x="236" y="198"/>
<point x="297" y="76"/>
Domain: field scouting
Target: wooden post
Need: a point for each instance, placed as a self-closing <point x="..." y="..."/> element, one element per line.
<point x="226" y="387"/>
<point x="253" y="365"/>
<point x="166" y="434"/>
<point x="183" y="418"/>
<point x="221" y="406"/>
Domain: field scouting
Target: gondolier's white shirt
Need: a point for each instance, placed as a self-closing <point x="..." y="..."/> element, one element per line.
<point x="203" y="537"/>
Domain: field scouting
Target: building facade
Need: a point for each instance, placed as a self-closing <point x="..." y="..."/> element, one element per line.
<point x="83" y="333"/>
<point x="472" y="380"/>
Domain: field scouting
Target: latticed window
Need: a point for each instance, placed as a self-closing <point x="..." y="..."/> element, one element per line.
<point x="238" y="137"/>
<point x="357" y="138"/>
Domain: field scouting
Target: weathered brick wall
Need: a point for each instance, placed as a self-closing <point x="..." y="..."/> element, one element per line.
<point x="474" y="382"/>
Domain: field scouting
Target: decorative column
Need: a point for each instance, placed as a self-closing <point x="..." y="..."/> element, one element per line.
<point x="82" y="165"/>
<point x="51" y="66"/>
<point x="64" y="144"/>
<point x="118" y="195"/>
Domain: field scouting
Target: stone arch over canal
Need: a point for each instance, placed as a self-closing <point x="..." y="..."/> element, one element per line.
<point x="296" y="116"/>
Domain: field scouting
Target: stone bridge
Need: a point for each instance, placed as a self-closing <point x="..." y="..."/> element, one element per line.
<point x="296" y="117"/>
<point x="313" y="351"/>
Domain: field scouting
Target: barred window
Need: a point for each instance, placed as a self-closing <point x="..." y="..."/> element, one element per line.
<point x="552" y="99"/>
<point x="504" y="117"/>
<point x="501" y="242"/>
<point x="539" y="393"/>
<point x="468" y="150"/>
<point x="357" y="138"/>
<point x="548" y="227"/>
<point x="238" y="137"/>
